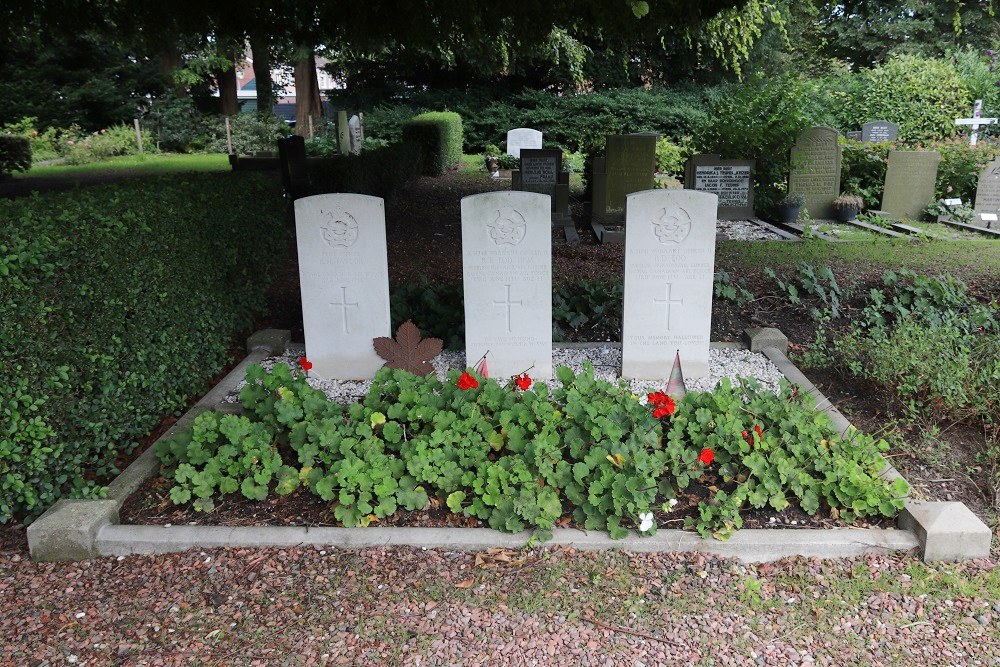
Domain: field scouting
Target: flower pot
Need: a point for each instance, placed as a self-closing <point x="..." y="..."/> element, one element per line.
<point x="492" y="164"/>
<point x="788" y="212"/>
<point x="845" y="213"/>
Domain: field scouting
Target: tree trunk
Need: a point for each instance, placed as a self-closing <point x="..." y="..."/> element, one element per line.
<point x="229" y="105"/>
<point x="170" y="62"/>
<point x="261" y="51"/>
<point x="307" y="100"/>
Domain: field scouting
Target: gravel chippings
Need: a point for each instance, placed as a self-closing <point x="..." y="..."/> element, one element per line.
<point x="607" y="361"/>
<point x="745" y="230"/>
<point x="407" y="606"/>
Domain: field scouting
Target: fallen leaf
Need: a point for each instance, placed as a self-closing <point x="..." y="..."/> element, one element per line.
<point x="465" y="584"/>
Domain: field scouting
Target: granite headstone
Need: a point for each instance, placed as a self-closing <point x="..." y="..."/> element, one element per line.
<point x="909" y="183"/>
<point x="731" y="180"/>
<point x="879" y="130"/>
<point x="815" y="170"/>
<point x="522" y="137"/>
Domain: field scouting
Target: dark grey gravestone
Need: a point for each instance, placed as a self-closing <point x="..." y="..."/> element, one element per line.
<point x="731" y="180"/>
<point x="988" y="195"/>
<point x="292" y="160"/>
<point x="909" y="183"/>
<point x="689" y="167"/>
<point x="630" y="163"/>
<point x="815" y="170"/>
<point x="879" y="130"/>
<point x="599" y="188"/>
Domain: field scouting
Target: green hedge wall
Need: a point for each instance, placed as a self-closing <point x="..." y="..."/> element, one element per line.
<point x="378" y="172"/>
<point x="118" y="302"/>
<point x="15" y="154"/>
<point x="439" y="135"/>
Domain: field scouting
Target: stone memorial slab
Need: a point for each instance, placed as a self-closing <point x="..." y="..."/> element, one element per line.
<point x="705" y="158"/>
<point x="294" y="169"/>
<point x="630" y="165"/>
<point x="344" y="279"/>
<point x="599" y="187"/>
<point x="669" y="271"/>
<point x="909" y="183"/>
<point x="987" y="192"/>
<point x="522" y="137"/>
<point x="540" y="170"/>
<point x="357" y="133"/>
<point x="507" y="275"/>
<point x="879" y="130"/>
<point x="343" y="133"/>
<point x="815" y="170"/>
<point x="731" y="180"/>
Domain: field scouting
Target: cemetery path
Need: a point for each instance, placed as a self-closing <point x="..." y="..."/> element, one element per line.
<point x="404" y="606"/>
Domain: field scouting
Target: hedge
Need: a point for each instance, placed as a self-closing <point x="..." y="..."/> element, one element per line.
<point x="378" y="172"/>
<point x="118" y="303"/>
<point x="15" y="154"/>
<point x="439" y="135"/>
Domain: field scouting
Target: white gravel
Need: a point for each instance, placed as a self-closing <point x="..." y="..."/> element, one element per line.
<point x="607" y="361"/>
<point x="745" y="230"/>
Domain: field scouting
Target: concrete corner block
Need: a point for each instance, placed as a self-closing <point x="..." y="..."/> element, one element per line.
<point x="274" y="340"/>
<point x="68" y="530"/>
<point x="948" y="531"/>
<point x="759" y="338"/>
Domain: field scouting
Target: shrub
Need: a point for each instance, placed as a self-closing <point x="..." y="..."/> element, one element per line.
<point x="924" y="96"/>
<point x="44" y="145"/>
<point x="863" y="168"/>
<point x="252" y="133"/>
<point x="177" y="125"/>
<point x="378" y="172"/>
<point x="119" y="302"/>
<point x="960" y="166"/>
<point x="108" y="143"/>
<point x="15" y="154"/>
<point x="439" y="135"/>
<point x="670" y="156"/>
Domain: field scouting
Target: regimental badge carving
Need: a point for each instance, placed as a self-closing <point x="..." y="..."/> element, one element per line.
<point x="672" y="227"/>
<point x="508" y="228"/>
<point x="340" y="230"/>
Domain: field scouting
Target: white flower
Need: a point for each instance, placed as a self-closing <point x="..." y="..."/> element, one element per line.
<point x="645" y="521"/>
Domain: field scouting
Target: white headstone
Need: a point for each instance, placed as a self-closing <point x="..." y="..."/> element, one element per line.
<point x="669" y="269"/>
<point x="344" y="279"/>
<point x="357" y="134"/>
<point x="522" y="137"/>
<point x="507" y="274"/>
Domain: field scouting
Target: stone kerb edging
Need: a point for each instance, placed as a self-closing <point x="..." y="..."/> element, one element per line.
<point x="84" y="529"/>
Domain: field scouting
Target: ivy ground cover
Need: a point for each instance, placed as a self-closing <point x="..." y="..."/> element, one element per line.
<point x="588" y="453"/>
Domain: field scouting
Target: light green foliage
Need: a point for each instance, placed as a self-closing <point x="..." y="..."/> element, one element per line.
<point x="960" y="166"/>
<point x="924" y="96"/>
<point x="978" y="71"/>
<point x="107" y="143"/>
<point x="732" y="34"/>
<point x="820" y="284"/>
<point x="117" y="303"/>
<point x="671" y="156"/>
<point x="44" y="144"/>
<point x="725" y="288"/>
<point x="515" y="459"/>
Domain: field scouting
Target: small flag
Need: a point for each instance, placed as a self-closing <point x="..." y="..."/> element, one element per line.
<point x="675" y="386"/>
<point x="482" y="369"/>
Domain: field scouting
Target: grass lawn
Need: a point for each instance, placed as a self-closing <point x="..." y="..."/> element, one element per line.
<point x="151" y="163"/>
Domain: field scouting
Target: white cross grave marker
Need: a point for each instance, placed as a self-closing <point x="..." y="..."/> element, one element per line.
<point x="976" y="122"/>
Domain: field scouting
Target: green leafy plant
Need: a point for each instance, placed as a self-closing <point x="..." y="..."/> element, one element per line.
<point x="818" y="283"/>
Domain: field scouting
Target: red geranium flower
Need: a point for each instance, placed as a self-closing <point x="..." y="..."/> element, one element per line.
<point x="305" y="364"/>
<point x="663" y="405"/>
<point x="523" y="381"/>
<point x="706" y="456"/>
<point x="758" y="430"/>
<point x="466" y="381"/>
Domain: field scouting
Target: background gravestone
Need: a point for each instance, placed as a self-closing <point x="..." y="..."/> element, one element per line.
<point x="630" y="165"/>
<point x="879" y="130"/>
<point x="541" y="172"/>
<point x="669" y="270"/>
<point x="507" y="276"/>
<point x="730" y="180"/>
<point x="988" y="193"/>
<point x="854" y="135"/>
<point x="344" y="279"/>
<point x="909" y="183"/>
<point x="357" y="133"/>
<point x="294" y="168"/>
<point x="815" y="170"/>
<point x="522" y="137"/>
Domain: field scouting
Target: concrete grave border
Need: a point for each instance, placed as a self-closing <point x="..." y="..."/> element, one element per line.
<point x="83" y="529"/>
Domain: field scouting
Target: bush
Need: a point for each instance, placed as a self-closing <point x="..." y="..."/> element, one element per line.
<point x="439" y="135"/>
<point x="119" y="302"/>
<point x="177" y="125"/>
<point x="960" y="166"/>
<point x="44" y="145"/>
<point x="378" y="172"/>
<point x="761" y="120"/>
<point x="252" y="133"/>
<point x="15" y="154"/>
<point x="863" y="168"/>
<point x="924" y="96"/>
<point x="670" y="156"/>
<point x="108" y="143"/>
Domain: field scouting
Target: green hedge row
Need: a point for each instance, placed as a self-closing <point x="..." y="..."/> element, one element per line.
<point x="119" y="302"/>
<point x="378" y="172"/>
<point x="439" y="135"/>
<point x="15" y="154"/>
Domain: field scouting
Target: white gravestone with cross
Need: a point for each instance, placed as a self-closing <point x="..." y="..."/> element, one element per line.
<point x="344" y="279"/>
<point x="976" y="122"/>
<point x="669" y="270"/>
<point x="507" y="275"/>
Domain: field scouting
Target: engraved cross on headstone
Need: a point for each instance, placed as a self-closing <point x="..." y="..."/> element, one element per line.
<point x="976" y="122"/>
<point x="668" y="302"/>
<point x="343" y="304"/>
<point x="507" y="303"/>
